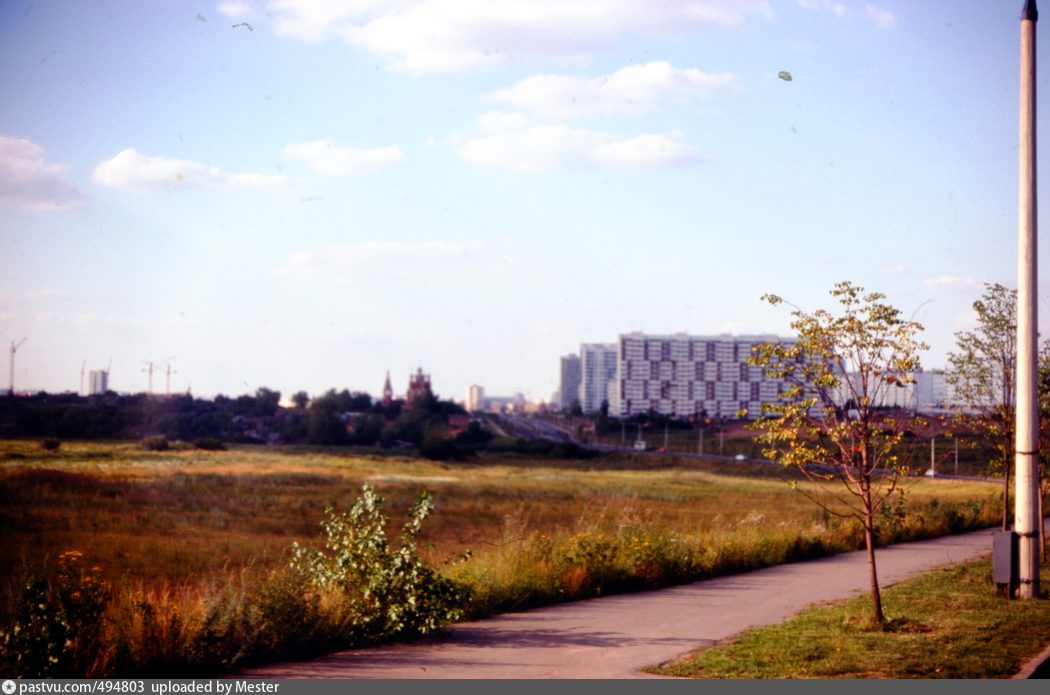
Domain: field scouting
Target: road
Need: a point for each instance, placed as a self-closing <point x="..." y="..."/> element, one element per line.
<point x="616" y="636"/>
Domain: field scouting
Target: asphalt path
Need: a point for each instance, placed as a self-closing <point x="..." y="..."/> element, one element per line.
<point x="616" y="636"/>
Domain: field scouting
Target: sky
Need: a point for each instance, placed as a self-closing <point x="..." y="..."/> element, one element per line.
<point x="307" y="194"/>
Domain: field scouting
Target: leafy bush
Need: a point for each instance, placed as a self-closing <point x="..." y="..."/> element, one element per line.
<point x="210" y="444"/>
<point x="51" y="444"/>
<point x="390" y="591"/>
<point x="156" y="442"/>
<point x="442" y="449"/>
<point x="57" y="623"/>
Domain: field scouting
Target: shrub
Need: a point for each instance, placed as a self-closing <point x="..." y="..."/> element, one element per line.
<point x="156" y="442"/>
<point x="51" y="444"/>
<point x="57" y="623"/>
<point x="210" y="444"/>
<point x="442" y="449"/>
<point x="390" y="591"/>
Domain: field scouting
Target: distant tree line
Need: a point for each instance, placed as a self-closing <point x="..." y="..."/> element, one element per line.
<point x="333" y="418"/>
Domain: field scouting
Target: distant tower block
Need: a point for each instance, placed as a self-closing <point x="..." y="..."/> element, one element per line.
<point x="98" y="381"/>
<point x="388" y="391"/>
<point x="475" y="398"/>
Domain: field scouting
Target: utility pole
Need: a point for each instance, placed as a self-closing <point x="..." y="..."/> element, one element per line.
<point x="933" y="456"/>
<point x="1026" y="482"/>
<point x="700" y="442"/>
<point x="14" y="349"/>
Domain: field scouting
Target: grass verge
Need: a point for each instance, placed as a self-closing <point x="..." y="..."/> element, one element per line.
<point x="949" y="623"/>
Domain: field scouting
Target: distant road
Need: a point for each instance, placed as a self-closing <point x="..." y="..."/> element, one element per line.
<point x="532" y="428"/>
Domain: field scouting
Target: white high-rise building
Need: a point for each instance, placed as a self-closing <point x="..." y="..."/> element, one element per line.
<point x="475" y="398"/>
<point x="691" y="375"/>
<point x="597" y="375"/>
<point x="569" y="383"/>
<point x="98" y="381"/>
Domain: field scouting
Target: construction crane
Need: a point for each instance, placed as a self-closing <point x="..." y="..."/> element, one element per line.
<point x="168" y="371"/>
<point x="14" y="349"/>
<point x="148" y="369"/>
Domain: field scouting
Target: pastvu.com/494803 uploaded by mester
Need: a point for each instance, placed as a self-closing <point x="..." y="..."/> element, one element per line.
<point x="129" y="687"/>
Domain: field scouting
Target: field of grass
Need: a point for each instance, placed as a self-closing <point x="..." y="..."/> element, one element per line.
<point x="939" y="626"/>
<point x="962" y="454"/>
<point x="183" y="529"/>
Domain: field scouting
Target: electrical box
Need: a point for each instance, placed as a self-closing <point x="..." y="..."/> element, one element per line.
<point x="1005" y="570"/>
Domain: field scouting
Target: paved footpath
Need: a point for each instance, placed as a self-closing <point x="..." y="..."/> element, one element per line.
<point x="615" y="636"/>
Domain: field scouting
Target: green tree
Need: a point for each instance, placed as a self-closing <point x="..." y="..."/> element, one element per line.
<point x="981" y="373"/>
<point x="325" y="424"/>
<point x="266" y="401"/>
<point x="1044" y="437"/>
<point x="827" y="423"/>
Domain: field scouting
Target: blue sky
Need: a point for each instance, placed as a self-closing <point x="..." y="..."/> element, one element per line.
<point x="304" y="194"/>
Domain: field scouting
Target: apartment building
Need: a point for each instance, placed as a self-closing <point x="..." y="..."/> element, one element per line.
<point x="569" y="383"/>
<point x="598" y="366"/>
<point x="689" y="375"/>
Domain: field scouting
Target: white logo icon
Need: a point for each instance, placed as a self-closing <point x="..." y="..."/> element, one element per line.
<point x="9" y="687"/>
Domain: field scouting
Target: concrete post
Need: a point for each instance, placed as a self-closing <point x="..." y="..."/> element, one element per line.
<point x="1026" y="523"/>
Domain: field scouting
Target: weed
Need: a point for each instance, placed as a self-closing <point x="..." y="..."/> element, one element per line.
<point x="57" y="622"/>
<point x="391" y="591"/>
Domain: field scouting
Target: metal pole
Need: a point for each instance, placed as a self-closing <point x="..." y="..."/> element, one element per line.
<point x="933" y="456"/>
<point x="700" y="442"/>
<point x="1027" y="425"/>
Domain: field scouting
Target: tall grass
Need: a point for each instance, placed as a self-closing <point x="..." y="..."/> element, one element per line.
<point x="196" y="545"/>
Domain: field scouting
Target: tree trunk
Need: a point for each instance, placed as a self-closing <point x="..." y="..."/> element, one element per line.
<point x="876" y="596"/>
<point x="1006" y="499"/>
<point x="1042" y="519"/>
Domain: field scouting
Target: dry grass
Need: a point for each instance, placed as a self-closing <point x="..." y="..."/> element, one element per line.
<point x="191" y="529"/>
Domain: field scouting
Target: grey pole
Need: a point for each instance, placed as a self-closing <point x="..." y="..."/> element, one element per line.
<point x="1027" y="425"/>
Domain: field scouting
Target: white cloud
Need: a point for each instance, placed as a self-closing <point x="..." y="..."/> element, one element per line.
<point x="329" y="158"/>
<point x="835" y="7"/>
<point x="553" y="146"/>
<point x="494" y="121"/>
<point x="951" y="283"/>
<point x="449" y="35"/>
<point x="644" y="150"/>
<point x="132" y="170"/>
<point x="236" y="9"/>
<point x="883" y="18"/>
<point x="29" y="181"/>
<point x="897" y="269"/>
<point x="631" y="90"/>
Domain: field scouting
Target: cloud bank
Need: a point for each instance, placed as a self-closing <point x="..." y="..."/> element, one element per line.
<point x="132" y="170"/>
<point x="29" y="181"/>
<point x="451" y="35"/>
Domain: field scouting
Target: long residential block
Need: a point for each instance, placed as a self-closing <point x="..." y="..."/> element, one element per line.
<point x="691" y="375"/>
